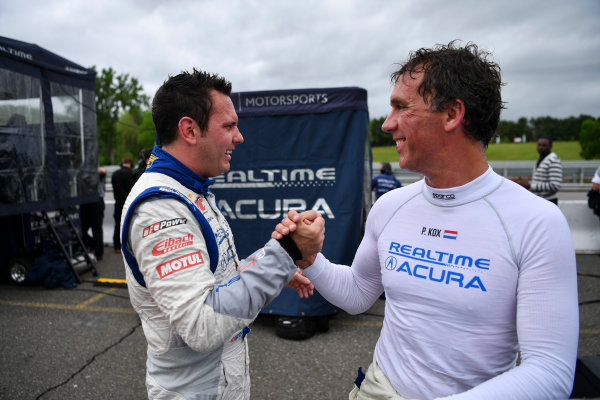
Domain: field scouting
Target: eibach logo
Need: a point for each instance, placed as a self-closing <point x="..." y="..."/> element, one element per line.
<point x="170" y="244"/>
<point x="179" y="264"/>
<point x="167" y="223"/>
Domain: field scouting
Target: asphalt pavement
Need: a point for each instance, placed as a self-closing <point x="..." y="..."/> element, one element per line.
<point x="87" y="343"/>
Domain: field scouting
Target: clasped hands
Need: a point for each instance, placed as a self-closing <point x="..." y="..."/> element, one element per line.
<point x="307" y="230"/>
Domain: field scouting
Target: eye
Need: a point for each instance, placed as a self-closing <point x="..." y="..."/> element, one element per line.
<point x="398" y="106"/>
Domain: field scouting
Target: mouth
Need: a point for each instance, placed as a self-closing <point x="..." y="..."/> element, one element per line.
<point x="400" y="141"/>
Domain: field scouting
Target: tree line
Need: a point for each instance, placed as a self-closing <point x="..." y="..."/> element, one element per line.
<point x="585" y="129"/>
<point x="123" y="117"/>
<point x="125" y="123"/>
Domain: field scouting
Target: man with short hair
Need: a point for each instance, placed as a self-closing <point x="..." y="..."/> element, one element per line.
<point x="547" y="174"/>
<point x="479" y="274"/>
<point x="195" y="297"/>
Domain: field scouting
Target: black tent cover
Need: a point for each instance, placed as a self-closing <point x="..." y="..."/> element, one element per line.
<point x="48" y="140"/>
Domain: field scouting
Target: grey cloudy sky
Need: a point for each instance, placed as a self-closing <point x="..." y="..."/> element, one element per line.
<point x="549" y="50"/>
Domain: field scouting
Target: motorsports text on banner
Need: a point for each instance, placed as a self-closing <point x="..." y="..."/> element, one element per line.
<point x="303" y="149"/>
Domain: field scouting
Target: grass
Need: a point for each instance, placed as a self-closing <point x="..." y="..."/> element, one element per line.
<point x="567" y="151"/>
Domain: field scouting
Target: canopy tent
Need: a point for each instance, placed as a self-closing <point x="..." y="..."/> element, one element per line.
<point x="48" y="140"/>
<point x="48" y="156"/>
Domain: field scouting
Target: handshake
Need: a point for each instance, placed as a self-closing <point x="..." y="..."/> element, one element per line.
<point x="307" y="230"/>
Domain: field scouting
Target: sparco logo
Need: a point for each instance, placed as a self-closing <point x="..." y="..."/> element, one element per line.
<point x="443" y="196"/>
<point x="167" y="223"/>
<point x="179" y="263"/>
<point x="171" y="244"/>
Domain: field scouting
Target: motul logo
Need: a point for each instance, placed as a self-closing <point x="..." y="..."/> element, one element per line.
<point x="179" y="263"/>
<point x="171" y="244"/>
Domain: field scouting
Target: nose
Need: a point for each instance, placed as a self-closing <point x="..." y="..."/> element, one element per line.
<point x="389" y="125"/>
<point x="238" y="138"/>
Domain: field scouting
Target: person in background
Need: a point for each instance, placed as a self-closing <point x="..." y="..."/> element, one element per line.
<point x="91" y="216"/>
<point x="195" y="297"/>
<point x="479" y="273"/>
<point x="594" y="194"/>
<point x="385" y="181"/>
<point x="121" y="182"/>
<point x="596" y="181"/>
<point x="142" y="162"/>
<point x="547" y="174"/>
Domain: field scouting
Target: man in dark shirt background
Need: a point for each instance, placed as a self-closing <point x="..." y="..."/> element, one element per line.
<point x="121" y="182"/>
<point x="91" y="216"/>
<point x="385" y="181"/>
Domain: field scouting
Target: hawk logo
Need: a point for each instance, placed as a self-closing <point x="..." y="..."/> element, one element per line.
<point x="197" y="200"/>
<point x="199" y="203"/>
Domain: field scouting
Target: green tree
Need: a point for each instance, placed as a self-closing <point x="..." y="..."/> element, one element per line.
<point x="508" y="130"/>
<point x="115" y="95"/>
<point x="146" y="131"/>
<point x="126" y="135"/>
<point x="566" y="129"/>
<point x="589" y="139"/>
<point x="376" y="135"/>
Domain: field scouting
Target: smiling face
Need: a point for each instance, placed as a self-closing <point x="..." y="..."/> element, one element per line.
<point x="219" y="139"/>
<point x="417" y="131"/>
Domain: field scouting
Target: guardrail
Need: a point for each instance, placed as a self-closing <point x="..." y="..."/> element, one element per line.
<point x="577" y="176"/>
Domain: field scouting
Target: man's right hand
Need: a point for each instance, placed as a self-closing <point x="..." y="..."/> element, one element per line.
<point x="307" y="229"/>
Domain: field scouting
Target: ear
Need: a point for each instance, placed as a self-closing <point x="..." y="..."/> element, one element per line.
<point x="188" y="130"/>
<point x="455" y="115"/>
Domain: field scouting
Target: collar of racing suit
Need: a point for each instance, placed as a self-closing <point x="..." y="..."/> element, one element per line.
<point x="162" y="162"/>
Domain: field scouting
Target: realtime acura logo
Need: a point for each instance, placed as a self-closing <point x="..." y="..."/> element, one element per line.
<point x="443" y="196"/>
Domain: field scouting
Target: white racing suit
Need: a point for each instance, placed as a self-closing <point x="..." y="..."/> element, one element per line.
<point x="194" y="296"/>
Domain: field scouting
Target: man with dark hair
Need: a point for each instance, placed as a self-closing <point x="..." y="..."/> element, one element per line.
<point x="121" y="184"/>
<point x="479" y="273"/>
<point x="385" y="181"/>
<point x="143" y="157"/>
<point x="195" y="297"/>
<point x="547" y="174"/>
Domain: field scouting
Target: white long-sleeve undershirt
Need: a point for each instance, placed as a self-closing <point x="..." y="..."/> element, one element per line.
<point x="472" y="276"/>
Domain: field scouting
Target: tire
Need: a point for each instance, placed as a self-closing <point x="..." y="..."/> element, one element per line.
<point x="322" y="323"/>
<point x="295" y="328"/>
<point x="17" y="270"/>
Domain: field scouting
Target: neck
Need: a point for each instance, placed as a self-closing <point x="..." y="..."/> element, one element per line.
<point x="165" y="163"/>
<point x="181" y="152"/>
<point x="460" y="165"/>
